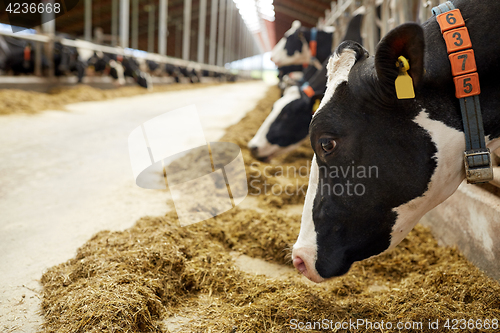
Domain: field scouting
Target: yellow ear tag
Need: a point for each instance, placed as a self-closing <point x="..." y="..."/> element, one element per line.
<point x="316" y="106"/>
<point x="404" y="83"/>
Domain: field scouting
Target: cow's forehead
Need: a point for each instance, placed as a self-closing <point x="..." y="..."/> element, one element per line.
<point x="338" y="68"/>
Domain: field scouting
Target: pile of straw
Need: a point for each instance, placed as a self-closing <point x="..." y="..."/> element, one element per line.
<point x="157" y="273"/>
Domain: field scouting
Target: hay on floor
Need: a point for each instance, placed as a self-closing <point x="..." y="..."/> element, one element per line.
<point x="16" y="101"/>
<point x="156" y="274"/>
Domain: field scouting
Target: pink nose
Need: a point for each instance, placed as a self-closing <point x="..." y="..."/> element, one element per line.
<point x="299" y="264"/>
<point x="303" y="260"/>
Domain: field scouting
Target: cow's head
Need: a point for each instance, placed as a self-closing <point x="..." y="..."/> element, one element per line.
<point x="285" y="127"/>
<point x="380" y="163"/>
<point x="116" y="71"/>
<point x="292" y="49"/>
<point x="143" y="79"/>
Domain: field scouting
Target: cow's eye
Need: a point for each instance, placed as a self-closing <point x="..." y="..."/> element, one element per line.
<point x="328" y="145"/>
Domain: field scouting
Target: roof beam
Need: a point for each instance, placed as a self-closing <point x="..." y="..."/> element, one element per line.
<point x="300" y="8"/>
<point x="297" y="15"/>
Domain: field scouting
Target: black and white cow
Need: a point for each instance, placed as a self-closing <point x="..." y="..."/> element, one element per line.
<point x="19" y="58"/>
<point x="289" y="76"/>
<point x="67" y="60"/>
<point x="405" y="156"/>
<point x="132" y="69"/>
<point x="104" y="64"/>
<point x="294" y="48"/>
<point x="288" y="122"/>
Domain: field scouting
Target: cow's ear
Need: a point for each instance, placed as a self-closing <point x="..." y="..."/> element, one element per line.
<point x="406" y="40"/>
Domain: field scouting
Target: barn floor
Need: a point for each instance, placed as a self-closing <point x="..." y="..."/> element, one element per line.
<point x="66" y="175"/>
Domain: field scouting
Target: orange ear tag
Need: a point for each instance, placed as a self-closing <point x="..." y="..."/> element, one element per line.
<point x="404" y="83"/>
<point x="308" y="90"/>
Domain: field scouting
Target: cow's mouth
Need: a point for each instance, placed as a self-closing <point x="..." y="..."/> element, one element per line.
<point x="266" y="159"/>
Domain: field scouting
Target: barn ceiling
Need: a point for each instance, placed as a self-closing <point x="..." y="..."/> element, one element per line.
<point x="286" y="11"/>
<point x="306" y="11"/>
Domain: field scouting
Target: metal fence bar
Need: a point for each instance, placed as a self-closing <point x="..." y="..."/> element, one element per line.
<point x="114" y="22"/>
<point x="135" y="24"/>
<point x="213" y="33"/>
<point x="220" y="39"/>
<point x="151" y="27"/>
<point x="49" y="28"/>
<point x="124" y="18"/>
<point x="186" y="33"/>
<point x="201" y="31"/>
<point x="162" y="27"/>
<point x="83" y="44"/>
<point x="88" y="20"/>
<point x="228" y="30"/>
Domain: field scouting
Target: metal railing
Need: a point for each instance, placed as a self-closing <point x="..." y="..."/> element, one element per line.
<point x="392" y="14"/>
<point x="82" y="44"/>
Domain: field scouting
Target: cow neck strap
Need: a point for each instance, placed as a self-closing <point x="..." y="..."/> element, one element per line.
<point x="313" y="49"/>
<point x="477" y="158"/>
<point x="313" y="43"/>
<point x="307" y="89"/>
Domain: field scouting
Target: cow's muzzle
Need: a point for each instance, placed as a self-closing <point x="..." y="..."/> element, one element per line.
<point x="303" y="259"/>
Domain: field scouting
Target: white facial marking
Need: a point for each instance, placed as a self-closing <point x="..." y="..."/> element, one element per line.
<point x="307" y="234"/>
<point x="265" y="148"/>
<point x="85" y="54"/>
<point x="279" y="54"/>
<point x="338" y="69"/>
<point x="447" y="176"/>
<point x="119" y="71"/>
<point x="149" y="80"/>
<point x="360" y="10"/>
<point x="277" y="51"/>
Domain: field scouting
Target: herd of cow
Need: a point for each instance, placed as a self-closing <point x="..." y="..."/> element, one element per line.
<point x="416" y="144"/>
<point x="17" y="56"/>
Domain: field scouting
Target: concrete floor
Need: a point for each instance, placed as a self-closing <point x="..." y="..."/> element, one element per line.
<point x="66" y="175"/>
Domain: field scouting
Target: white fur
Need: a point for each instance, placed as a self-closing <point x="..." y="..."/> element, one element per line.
<point x="279" y="54"/>
<point x="338" y="69"/>
<point x="149" y="80"/>
<point x="360" y="10"/>
<point x="447" y="177"/>
<point x="307" y="234"/>
<point x="306" y="247"/>
<point x="281" y="58"/>
<point x="119" y="70"/>
<point x="265" y="148"/>
<point x="85" y="54"/>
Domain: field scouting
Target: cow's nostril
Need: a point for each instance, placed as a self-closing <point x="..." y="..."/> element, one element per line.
<point x="254" y="151"/>
<point x="300" y="265"/>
